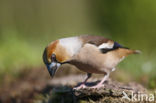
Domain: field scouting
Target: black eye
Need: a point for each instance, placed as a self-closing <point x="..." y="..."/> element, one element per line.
<point x="53" y="57"/>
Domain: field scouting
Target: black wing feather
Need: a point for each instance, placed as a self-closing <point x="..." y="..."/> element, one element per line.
<point x="116" y="46"/>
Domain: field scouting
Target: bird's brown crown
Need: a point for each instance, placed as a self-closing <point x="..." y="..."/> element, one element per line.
<point x="58" y="50"/>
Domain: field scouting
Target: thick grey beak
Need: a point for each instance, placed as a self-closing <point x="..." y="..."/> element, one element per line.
<point x="52" y="68"/>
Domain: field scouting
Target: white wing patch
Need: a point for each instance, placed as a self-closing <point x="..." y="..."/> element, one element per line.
<point x="108" y="45"/>
<point x="72" y="44"/>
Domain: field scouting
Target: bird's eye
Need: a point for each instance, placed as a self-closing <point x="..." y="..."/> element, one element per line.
<point x="53" y="57"/>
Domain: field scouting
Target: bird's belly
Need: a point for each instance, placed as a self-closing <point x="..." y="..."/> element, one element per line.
<point x="89" y="68"/>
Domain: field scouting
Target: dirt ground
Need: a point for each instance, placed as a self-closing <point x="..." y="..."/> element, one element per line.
<point x="34" y="84"/>
<point x="23" y="89"/>
<point x="29" y="84"/>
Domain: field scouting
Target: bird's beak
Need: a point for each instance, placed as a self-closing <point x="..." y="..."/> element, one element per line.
<point x="52" y="68"/>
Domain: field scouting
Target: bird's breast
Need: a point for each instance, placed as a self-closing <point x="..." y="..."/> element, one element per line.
<point x="90" y="60"/>
<point x="88" y="67"/>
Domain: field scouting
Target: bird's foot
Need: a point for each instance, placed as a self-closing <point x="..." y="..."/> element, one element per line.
<point x="97" y="86"/>
<point x="82" y="86"/>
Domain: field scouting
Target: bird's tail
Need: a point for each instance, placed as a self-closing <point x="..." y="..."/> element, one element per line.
<point x="126" y="51"/>
<point x="135" y="51"/>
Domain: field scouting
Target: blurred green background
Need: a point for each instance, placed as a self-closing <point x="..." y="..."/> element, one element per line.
<point x="27" y="26"/>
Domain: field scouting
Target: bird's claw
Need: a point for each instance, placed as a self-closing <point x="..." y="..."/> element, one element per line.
<point x="82" y="86"/>
<point x="97" y="86"/>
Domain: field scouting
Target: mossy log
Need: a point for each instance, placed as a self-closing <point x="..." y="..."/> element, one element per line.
<point x="111" y="92"/>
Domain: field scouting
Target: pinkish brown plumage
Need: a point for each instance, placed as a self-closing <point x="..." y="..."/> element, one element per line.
<point x="91" y="54"/>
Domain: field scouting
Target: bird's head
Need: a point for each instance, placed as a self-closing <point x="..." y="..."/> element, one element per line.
<point x="54" y="56"/>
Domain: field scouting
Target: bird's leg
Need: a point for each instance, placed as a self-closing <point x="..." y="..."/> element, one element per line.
<point x="113" y="69"/>
<point x="101" y="82"/>
<point x="83" y="83"/>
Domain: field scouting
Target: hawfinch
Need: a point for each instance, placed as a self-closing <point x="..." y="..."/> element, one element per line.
<point x="91" y="54"/>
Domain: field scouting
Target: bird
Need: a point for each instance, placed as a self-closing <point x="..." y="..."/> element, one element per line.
<point x="89" y="53"/>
